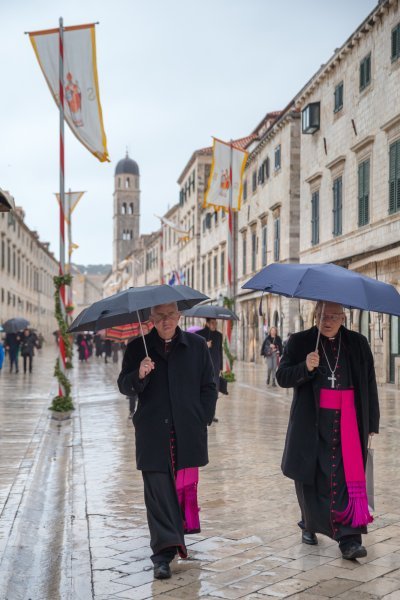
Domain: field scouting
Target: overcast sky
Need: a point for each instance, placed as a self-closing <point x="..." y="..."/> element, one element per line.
<point x="172" y="74"/>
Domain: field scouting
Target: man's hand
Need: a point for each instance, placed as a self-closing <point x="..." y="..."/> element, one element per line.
<point x="312" y="361"/>
<point x="209" y="343"/>
<point x="146" y="367"/>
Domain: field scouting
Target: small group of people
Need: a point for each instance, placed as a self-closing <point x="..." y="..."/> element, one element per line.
<point x="334" y="410"/>
<point x="18" y="344"/>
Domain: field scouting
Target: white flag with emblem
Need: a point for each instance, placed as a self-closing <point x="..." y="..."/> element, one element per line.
<point x="81" y="88"/>
<point x="226" y="176"/>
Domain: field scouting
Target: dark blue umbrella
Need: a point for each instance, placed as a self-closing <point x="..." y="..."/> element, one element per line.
<point x="211" y="311"/>
<point x="133" y="305"/>
<point x="327" y="282"/>
<point x="15" y="325"/>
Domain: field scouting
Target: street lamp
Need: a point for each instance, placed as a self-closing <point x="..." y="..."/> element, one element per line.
<point x="6" y="202"/>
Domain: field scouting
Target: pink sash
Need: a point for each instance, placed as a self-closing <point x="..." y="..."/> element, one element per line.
<point x="186" y="481"/>
<point x="356" y="514"/>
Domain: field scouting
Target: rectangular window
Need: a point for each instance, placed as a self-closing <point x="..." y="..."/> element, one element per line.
<point x="244" y="255"/>
<point x="394" y="177"/>
<point x="253" y="251"/>
<point x="337" y="206"/>
<point x="215" y="271"/>
<point x="315" y="218"/>
<point x="264" y="246"/>
<point x="203" y="276"/>
<point x="365" y="72"/>
<point x="245" y="190"/>
<point x="254" y="181"/>
<point x="395" y="53"/>
<point x="278" y="157"/>
<point x="222" y="271"/>
<point x="338" y="97"/>
<point x="3" y="254"/>
<point x="209" y="274"/>
<point x="363" y="193"/>
<point x="277" y="238"/>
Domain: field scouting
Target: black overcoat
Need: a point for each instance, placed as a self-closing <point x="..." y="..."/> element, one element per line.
<point x="301" y="446"/>
<point x="180" y="390"/>
<point x="216" y="349"/>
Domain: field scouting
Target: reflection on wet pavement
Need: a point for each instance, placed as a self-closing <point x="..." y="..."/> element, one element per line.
<point x="249" y="546"/>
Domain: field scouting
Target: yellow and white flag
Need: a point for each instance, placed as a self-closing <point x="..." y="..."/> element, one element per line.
<point x="227" y="170"/>
<point x="182" y="233"/>
<point x="71" y="200"/>
<point x="81" y="87"/>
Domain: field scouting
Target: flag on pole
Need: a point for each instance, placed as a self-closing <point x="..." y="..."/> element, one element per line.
<point x="71" y="200"/>
<point x="181" y="232"/>
<point x="81" y="87"/>
<point x="227" y="170"/>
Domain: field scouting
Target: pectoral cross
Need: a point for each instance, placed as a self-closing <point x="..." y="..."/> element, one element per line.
<point x="332" y="379"/>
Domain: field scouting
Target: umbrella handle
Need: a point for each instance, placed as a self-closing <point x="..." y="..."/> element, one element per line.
<point x="319" y="331"/>
<point x="141" y="331"/>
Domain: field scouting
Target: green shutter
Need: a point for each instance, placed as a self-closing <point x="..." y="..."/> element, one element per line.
<point x="361" y="194"/>
<point x="397" y="175"/>
<point x="394" y="43"/>
<point x="366" y="192"/>
<point x="392" y="177"/>
<point x="362" y="75"/>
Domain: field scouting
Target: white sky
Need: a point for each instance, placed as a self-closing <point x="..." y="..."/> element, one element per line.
<point x="172" y="73"/>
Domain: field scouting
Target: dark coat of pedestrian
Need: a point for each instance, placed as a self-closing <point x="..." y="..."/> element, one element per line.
<point x="272" y="350"/>
<point x="315" y="449"/>
<point x="11" y="344"/>
<point x="27" y="347"/>
<point x="176" y="401"/>
<point x="214" y="342"/>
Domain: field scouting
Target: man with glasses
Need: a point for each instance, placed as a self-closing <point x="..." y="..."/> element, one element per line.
<point x="335" y="409"/>
<point x="176" y="401"/>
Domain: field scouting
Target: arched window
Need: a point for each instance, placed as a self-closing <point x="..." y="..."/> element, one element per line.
<point x="123" y="209"/>
<point x="131" y="208"/>
<point x="276" y="319"/>
<point x="127" y="184"/>
<point x="131" y="235"/>
<point x="119" y="182"/>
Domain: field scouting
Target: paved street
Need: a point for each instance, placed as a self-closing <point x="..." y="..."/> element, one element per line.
<point x="73" y="522"/>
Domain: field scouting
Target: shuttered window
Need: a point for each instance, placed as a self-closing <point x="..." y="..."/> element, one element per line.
<point x="315" y="218"/>
<point x="395" y="53"/>
<point x="394" y="177"/>
<point x="277" y="236"/>
<point x="365" y="72"/>
<point x="264" y="246"/>
<point x="363" y="193"/>
<point x="337" y="206"/>
<point x="338" y="97"/>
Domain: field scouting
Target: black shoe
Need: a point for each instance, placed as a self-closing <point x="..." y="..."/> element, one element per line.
<point x="309" y="538"/>
<point x="215" y="420"/>
<point x="268" y="381"/>
<point x="162" y="570"/>
<point x="273" y="384"/>
<point x="353" y="550"/>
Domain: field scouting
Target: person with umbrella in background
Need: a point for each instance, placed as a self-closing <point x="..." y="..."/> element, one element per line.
<point x="214" y="342"/>
<point x="11" y="344"/>
<point x="28" y="345"/>
<point x="172" y="373"/>
<point x="271" y="349"/>
<point x="335" y="409"/>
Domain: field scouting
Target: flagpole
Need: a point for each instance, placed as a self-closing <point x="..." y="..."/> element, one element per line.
<point x="62" y="196"/>
<point x="69" y="213"/>
<point x="230" y="249"/>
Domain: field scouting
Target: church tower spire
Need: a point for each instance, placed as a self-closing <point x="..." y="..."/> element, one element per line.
<point x="126" y="208"/>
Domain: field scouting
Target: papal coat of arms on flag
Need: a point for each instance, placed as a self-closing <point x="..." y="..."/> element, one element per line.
<point x="81" y="88"/>
<point x="225" y="183"/>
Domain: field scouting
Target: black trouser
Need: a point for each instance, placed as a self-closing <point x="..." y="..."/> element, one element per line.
<point x="28" y="356"/>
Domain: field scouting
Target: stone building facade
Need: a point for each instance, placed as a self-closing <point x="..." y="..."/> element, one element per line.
<point x="27" y="268"/>
<point x="350" y="168"/>
<point x="268" y="227"/>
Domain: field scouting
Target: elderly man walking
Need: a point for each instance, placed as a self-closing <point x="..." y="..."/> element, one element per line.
<point x="334" y="410"/>
<point x="176" y="401"/>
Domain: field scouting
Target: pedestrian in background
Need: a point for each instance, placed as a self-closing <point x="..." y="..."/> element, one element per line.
<point x="1" y="354"/>
<point x="272" y="350"/>
<point x="27" y="346"/>
<point x="214" y="342"/>
<point x="177" y="396"/>
<point x="12" y="342"/>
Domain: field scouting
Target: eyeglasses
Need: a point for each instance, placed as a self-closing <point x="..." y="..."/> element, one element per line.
<point x="334" y="318"/>
<point x="168" y="317"/>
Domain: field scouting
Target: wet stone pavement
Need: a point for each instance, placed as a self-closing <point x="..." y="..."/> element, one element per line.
<point x="73" y="522"/>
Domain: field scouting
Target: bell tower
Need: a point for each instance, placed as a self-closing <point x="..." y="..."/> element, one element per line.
<point x="126" y="209"/>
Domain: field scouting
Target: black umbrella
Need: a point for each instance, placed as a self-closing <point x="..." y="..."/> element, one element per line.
<point x="15" y="325"/>
<point x="211" y="311"/>
<point x="134" y="305"/>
